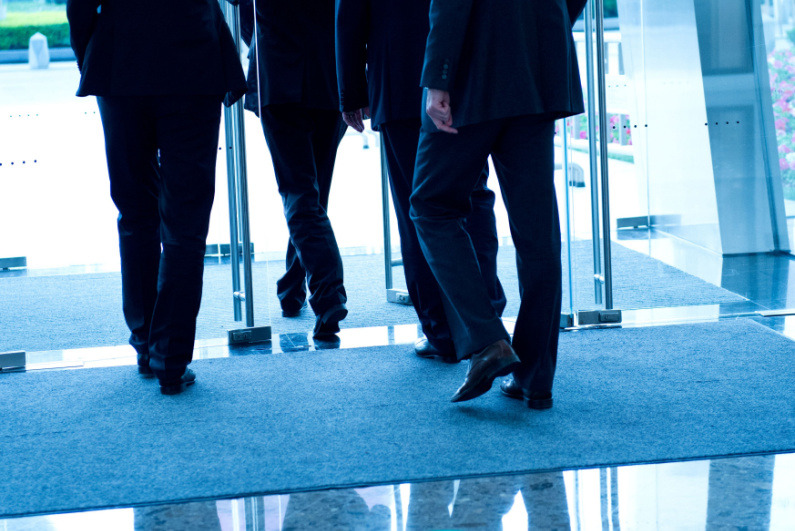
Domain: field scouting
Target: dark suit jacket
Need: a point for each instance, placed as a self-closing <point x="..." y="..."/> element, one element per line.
<point x="153" y="47"/>
<point x="503" y="58"/>
<point x="385" y="38"/>
<point x="295" y="43"/>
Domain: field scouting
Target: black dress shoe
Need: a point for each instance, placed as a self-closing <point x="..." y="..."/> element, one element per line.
<point x="424" y="349"/>
<point x="511" y="389"/>
<point x="328" y="324"/>
<point x="143" y="366"/>
<point x="175" y="386"/>
<point x="293" y="312"/>
<point x="498" y="359"/>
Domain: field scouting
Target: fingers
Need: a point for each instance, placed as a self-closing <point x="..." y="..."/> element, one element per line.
<point x="438" y="108"/>
<point x="354" y="119"/>
<point x="442" y="118"/>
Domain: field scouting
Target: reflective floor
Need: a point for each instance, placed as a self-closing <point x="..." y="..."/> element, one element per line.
<point x="753" y="493"/>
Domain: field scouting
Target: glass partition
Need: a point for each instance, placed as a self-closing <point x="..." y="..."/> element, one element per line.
<point x="59" y="251"/>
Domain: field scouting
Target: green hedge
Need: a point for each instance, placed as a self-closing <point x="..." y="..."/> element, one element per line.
<point x="18" y="38"/>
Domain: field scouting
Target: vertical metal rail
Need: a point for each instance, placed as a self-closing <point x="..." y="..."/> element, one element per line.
<point x="385" y="207"/>
<point x="566" y="164"/>
<point x="603" y="134"/>
<point x="238" y="199"/>
<point x="234" y="238"/>
<point x="595" y="222"/>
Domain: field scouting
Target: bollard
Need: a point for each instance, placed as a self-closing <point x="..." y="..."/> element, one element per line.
<point x="38" y="52"/>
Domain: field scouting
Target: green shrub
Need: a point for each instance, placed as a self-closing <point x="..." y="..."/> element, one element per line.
<point x="18" y="37"/>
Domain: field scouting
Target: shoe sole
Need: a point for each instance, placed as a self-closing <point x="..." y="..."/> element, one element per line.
<point x="146" y="373"/>
<point x="543" y="403"/>
<point x="485" y="383"/>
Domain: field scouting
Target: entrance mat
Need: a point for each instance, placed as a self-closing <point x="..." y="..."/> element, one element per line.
<point x="94" y="438"/>
<point x="78" y="311"/>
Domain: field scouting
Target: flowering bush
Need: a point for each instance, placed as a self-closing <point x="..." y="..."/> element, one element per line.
<point x="615" y="122"/>
<point x="782" y="84"/>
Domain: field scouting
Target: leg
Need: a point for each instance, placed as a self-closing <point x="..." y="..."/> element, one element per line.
<point x="400" y="140"/>
<point x="129" y="127"/>
<point x="290" y="131"/>
<point x="447" y="170"/>
<point x="326" y="137"/>
<point x="524" y="160"/>
<point x="187" y="136"/>
<point x="482" y="228"/>
<point x="291" y="287"/>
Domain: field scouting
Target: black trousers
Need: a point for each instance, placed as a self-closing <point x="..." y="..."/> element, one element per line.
<point x="400" y="140"/>
<point x="303" y="145"/>
<point x="161" y="153"/>
<point x="446" y="173"/>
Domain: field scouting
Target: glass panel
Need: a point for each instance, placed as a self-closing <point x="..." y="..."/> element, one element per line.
<point x="696" y="196"/>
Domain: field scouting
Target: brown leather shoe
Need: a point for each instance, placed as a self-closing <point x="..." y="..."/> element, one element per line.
<point x="498" y="359"/>
<point x="511" y="389"/>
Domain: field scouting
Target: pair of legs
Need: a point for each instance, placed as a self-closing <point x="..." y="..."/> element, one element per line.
<point x="303" y="144"/>
<point x="161" y="153"/>
<point x="446" y="173"/>
<point x="401" y="138"/>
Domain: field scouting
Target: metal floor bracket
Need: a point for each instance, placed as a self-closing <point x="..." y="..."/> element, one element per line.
<point x="13" y="361"/>
<point x="252" y="334"/>
<point x="566" y="321"/>
<point x="398" y="296"/>
<point x="598" y="317"/>
<point x="15" y="261"/>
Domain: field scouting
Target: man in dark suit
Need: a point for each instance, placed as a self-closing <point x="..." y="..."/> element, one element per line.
<point x="498" y="76"/>
<point x="380" y="49"/>
<point x="293" y="87"/>
<point x="160" y="71"/>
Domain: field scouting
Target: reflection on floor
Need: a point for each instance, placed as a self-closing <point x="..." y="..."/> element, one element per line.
<point x="762" y="278"/>
<point x="755" y="492"/>
<point x="748" y="492"/>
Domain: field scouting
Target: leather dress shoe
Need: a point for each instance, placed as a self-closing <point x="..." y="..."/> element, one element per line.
<point x="328" y="324"/>
<point x="293" y="312"/>
<point x="144" y="371"/>
<point x="511" y="389"/>
<point x="424" y="349"/>
<point x="498" y="359"/>
<point x="174" y="386"/>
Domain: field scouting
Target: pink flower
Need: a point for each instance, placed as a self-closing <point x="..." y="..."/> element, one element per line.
<point x="583" y="135"/>
<point x="777" y="64"/>
<point x="784" y="149"/>
<point x="783" y="164"/>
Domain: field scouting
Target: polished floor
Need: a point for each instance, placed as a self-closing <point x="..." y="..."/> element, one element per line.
<point x="751" y="493"/>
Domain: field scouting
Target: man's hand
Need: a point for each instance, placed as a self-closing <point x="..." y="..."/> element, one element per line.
<point x="356" y="118"/>
<point x="437" y="105"/>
